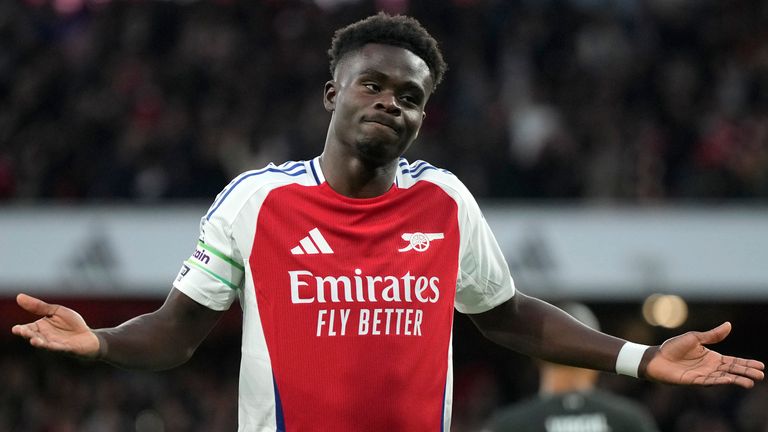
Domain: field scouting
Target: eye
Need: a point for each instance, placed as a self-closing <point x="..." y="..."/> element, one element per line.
<point x="409" y="99"/>
<point x="372" y="87"/>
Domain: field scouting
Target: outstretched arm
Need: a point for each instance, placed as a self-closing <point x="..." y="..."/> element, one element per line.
<point x="538" y="329"/>
<point x="541" y="330"/>
<point x="158" y="340"/>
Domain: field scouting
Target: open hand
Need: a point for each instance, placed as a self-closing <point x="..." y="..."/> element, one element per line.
<point x="685" y="360"/>
<point x="59" y="329"/>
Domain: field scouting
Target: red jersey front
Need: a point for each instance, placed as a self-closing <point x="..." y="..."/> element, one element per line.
<point x="348" y="303"/>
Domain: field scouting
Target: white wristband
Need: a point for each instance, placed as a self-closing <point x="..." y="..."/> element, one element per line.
<point x="628" y="360"/>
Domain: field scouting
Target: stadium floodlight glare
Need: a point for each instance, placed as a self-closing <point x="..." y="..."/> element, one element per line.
<point x="665" y="310"/>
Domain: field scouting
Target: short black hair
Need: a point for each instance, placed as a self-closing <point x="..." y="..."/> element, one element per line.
<point x="398" y="30"/>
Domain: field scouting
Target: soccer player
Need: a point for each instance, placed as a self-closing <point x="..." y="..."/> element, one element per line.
<point x="348" y="267"/>
<point x="568" y="399"/>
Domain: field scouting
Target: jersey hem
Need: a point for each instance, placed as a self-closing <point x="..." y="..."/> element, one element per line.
<point x="201" y="298"/>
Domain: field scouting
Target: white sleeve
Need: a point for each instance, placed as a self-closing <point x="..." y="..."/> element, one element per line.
<point x="484" y="281"/>
<point x="213" y="275"/>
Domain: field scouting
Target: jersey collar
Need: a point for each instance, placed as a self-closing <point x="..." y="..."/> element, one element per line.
<point x="319" y="178"/>
<point x="317" y="172"/>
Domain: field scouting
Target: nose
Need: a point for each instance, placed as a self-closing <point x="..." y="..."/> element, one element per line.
<point x="387" y="101"/>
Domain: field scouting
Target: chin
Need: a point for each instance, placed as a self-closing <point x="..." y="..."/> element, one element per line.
<point x="378" y="151"/>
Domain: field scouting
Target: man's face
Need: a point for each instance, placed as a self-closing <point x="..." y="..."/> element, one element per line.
<point x="377" y="99"/>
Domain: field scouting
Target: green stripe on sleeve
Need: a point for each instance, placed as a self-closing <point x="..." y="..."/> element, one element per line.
<point x="214" y="275"/>
<point x="216" y="252"/>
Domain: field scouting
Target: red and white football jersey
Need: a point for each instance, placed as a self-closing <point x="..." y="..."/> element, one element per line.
<point x="347" y="303"/>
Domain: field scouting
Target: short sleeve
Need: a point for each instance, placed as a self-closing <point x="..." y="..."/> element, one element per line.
<point x="213" y="275"/>
<point x="484" y="281"/>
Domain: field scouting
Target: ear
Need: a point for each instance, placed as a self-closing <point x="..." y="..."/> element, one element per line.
<point x="329" y="96"/>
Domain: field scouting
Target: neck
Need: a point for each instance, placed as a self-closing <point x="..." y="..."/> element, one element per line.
<point x="354" y="178"/>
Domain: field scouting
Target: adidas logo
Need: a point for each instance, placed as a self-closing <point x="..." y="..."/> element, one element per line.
<point x="312" y="244"/>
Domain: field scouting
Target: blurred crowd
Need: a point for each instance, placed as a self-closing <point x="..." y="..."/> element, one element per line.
<point x="639" y="101"/>
<point x="45" y="392"/>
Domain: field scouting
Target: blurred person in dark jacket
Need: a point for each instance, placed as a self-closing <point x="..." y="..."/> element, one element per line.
<point x="569" y="399"/>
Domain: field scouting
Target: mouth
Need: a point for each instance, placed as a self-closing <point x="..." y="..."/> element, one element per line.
<point x="383" y="122"/>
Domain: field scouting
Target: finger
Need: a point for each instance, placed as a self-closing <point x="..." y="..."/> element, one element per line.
<point x="34" y="338"/>
<point x="25" y="331"/>
<point x="744" y="382"/>
<point x="737" y="380"/>
<point x="715" y="335"/>
<point x="724" y="379"/>
<point x="35" y="305"/>
<point x="20" y="330"/>
<point x="739" y="366"/>
<point x="50" y="343"/>
<point x="38" y="342"/>
<point x="754" y="364"/>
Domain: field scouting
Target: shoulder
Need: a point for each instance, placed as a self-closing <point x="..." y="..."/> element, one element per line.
<point x="285" y="173"/>
<point x="411" y="174"/>
<point x="617" y="403"/>
<point x="518" y="416"/>
<point x="257" y="182"/>
<point x="622" y="412"/>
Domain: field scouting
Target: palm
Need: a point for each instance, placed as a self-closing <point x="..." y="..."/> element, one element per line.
<point x="60" y="328"/>
<point x="685" y="360"/>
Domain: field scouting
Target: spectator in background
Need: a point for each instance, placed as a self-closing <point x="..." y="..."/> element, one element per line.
<point x="594" y="100"/>
<point x="568" y="400"/>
